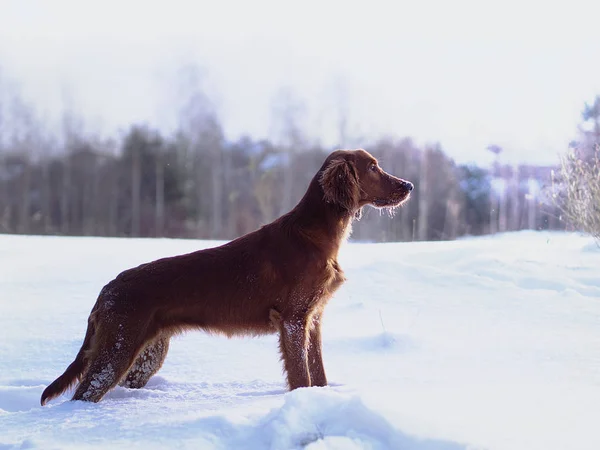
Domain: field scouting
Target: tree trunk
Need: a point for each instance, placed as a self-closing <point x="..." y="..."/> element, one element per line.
<point x="88" y="202"/>
<point x="113" y="206"/>
<point x="516" y="201"/>
<point x="25" y="202"/>
<point x="136" y="177"/>
<point x="96" y="219"/>
<point x="493" y="205"/>
<point x="217" y="206"/>
<point x="160" y="196"/>
<point x="451" y="218"/>
<point x="286" y="195"/>
<point x="5" y="204"/>
<point x="230" y="187"/>
<point x="65" y="196"/>
<point x="532" y="214"/>
<point x="46" y="188"/>
<point x="422" y="221"/>
<point x="406" y="224"/>
<point x="531" y="203"/>
<point x="502" y="206"/>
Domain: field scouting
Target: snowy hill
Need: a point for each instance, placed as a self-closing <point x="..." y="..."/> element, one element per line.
<point x="487" y="343"/>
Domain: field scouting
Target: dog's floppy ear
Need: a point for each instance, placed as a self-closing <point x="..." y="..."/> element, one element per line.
<point x="340" y="184"/>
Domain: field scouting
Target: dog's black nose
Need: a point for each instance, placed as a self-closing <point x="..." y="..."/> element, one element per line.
<point x="409" y="186"/>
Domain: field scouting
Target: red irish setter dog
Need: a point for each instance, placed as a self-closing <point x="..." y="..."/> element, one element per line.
<point x="276" y="279"/>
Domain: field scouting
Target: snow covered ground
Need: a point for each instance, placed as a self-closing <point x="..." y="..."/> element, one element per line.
<point x="487" y="343"/>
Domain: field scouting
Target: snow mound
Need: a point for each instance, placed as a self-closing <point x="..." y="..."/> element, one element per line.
<point x="26" y="444"/>
<point x="19" y="398"/>
<point x="317" y="418"/>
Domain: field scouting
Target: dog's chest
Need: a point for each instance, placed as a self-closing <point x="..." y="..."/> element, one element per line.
<point x="312" y="288"/>
<point x="334" y="276"/>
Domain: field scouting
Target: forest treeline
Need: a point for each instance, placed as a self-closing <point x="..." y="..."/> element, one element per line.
<point x="197" y="183"/>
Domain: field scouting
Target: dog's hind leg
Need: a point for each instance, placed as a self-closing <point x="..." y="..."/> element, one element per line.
<point x="114" y="351"/>
<point x="147" y="363"/>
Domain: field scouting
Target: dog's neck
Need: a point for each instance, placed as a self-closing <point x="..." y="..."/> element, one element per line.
<point x="325" y="223"/>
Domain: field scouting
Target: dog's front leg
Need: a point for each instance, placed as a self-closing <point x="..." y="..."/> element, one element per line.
<point x="315" y="356"/>
<point x="293" y="341"/>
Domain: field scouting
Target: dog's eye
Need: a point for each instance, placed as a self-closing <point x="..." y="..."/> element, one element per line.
<point x="373" y="167"/>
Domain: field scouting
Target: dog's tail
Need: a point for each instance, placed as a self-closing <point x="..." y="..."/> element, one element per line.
<point x="75" y="369"/>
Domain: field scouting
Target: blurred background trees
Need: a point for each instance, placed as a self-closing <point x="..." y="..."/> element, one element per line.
<point x="196" y="183"/>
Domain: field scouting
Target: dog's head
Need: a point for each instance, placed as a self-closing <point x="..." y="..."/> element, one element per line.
<point x="353" y="179"/>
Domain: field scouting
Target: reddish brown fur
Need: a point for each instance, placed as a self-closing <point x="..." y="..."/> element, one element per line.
<point x="276" y="279"/>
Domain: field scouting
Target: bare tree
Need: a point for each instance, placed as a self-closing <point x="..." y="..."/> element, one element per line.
<point x="494" y="201"/>
<point x="532" y="201"/>
<point x="453" y="209"/>
<point x="198" y="120"/>
<point x="515" y="194"/>
<point x="72" y="127"/>
<point x="502" y="203"/>
<point x="591" y="113"/>
<point x="46" y="200"/>
<point x="406" y="168"/>
<point x="23" y="143"/>
<point x="288" y="114"/>
<point x="159" y="216"/>
<point x="576" y="188"/>
<point x="422" y="220"/>
<point x="577" y="192"/>
<point x="341" y="98"/>
<point x="136" y="183"/>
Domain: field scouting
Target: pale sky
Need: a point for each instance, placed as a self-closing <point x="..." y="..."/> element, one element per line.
<point x="467" y="74"/>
